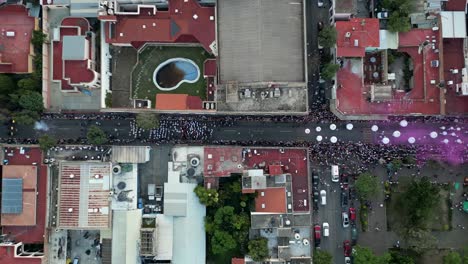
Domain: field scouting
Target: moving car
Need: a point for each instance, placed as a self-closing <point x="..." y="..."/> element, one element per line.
<point x="347" y="248"/>
<point x="345" y="218"/>
<point x="326" y="229"/>
<point x="317" y="233"/>
<point x="352" y="214"/>
<point x="335" y="176"/>
<point x="323" y="197"/>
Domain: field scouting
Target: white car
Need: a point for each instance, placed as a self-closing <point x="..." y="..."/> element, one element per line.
<point x="323" y="197"/>
<point x="347" y="260"/>
<point x="382" y="15"/>
<point x="345" y="218"/>
<point x="320" y="3"/>
<point x="326" y="229"/>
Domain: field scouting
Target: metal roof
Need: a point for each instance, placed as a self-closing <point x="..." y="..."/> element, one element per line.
<point x="175" y="200"/>
<point x="453" y="24"/>
<point x="12" y="196"/>
<point x="74" y="48"/>
<point x="125" y="235"/>
<point x="130" y="154"/>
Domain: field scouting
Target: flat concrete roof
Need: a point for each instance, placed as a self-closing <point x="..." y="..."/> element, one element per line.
<point x="261" y="40"/>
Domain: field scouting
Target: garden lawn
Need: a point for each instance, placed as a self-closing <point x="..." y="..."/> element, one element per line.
<point x="150" y="57"/>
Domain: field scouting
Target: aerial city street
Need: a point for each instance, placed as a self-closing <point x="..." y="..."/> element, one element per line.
<point x="234" y="131"/>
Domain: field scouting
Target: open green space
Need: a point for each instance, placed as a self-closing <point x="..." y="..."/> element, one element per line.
<point x="150" y="57"/>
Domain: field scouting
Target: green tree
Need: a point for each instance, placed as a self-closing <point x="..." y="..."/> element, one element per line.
<point x="395" y="257"/>
<point x="452" y="258"/>
<point x="37" y="39"/>
<point x="46" y="142"/>
<point x="108" y="100"/>
<point x="147" y="120"/>
<point x="322" y="257"/>
<point x="419" y="240"/>
<point x="222" y="242"/>
<point x="7" y="86"/>
<point x="240" y="221"/>
<point x="96" y="136"/>
<point x="398" y="22"/>
<point x="417" y="203"/>
<point x="32" y="101"/>
<point x="29" y="84"/>
<point x="329" y="70"/>
<point x="208" y="197"/>
<point x="25" y="117"/>
<point x="366" y="185"/>
<point x="258" y="249"/>
<point x="327" y="37"/>
<point x="224" y="216"/>
<point x="364" y="255"/>
<point x="397" y="163"/>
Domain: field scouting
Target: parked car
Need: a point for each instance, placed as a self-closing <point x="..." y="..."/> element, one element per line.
<point x="347" y="260"/>
<point x="316" y="200"/>
<point x="354" y="235"/>
<point x="347" y="248"/>
<point x="317" y="234"/>
<point x="326" y="229"/>
<point x="320" y="3"/>
<point x="382" y="15"/>
<point x="345" y="218"/>
<point x="323" y="197"/>
<point x="335" y="175"/>
<point x="344" y="199"/>
<point x="344" y="181"/>
<point x="315" y="179"/>
<point x="352" y="214"/>
<point x="319" y="25"/>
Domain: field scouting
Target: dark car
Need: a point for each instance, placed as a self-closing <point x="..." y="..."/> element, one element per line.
<point x="316" y="200"/>
<point x="320" y="25"/>
<point x="344" y="181"/>
<point x="315" y="179"/>
<point x="344" y="199"/>
<point x="347" y="248"/>
<point x="354" y="235"/>
<point x="317" y="235"/>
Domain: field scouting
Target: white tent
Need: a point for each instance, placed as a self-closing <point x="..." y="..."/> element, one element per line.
<point x="375" y="128"/>
<point x="349" y="126"/>
<point x="433" y="134"/>
<point x="403" y="123"/>
<point x="318" y="129"/>
<point x="333" y="139"/>
<point x="319" y="138"/>
<point x="307" y="131"/>
<point x="332" y="126"/>
<point x="396" y="133"/>
<point x="411" y="140"/>
<point x="385" y="140"/>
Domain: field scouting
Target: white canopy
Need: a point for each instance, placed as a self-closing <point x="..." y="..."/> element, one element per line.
<point x="433" y="134"/>
<point x="374" y="128"/>
<point x="411" y="140"/>
<point x="385" y="140"/>
<point x="333" y="139"/>
<point x="396" y="133"/>
<point x="459" y="141"/>
<point x="349" y="126"/>
<point x="307" y="131"/>
<point x="403" y="123"/>
<point x="446" y="141"/>
<point x="332" y="126"/>
<point x="318" y="129"/>
<point x="319" y="138"/>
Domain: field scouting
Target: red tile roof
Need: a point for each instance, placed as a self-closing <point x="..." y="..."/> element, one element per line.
<point x="237" y="261"/>
<point x="209" y="68"/>
<point x="171" y="101"/>
<point x="453" y="59"/>
<point x="74" y="72"/>
<point x="185" y="22"/>
<point x="363" y="33"/>
<point x="30" y="234"/>
<point x="16" y="54"/>
<point x="271" y="200"/>
<point x="275" y="169"/>
<point x="455" y="5"/>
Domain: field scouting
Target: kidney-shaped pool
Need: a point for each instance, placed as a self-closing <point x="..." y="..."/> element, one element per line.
<point x="170" y="74"/>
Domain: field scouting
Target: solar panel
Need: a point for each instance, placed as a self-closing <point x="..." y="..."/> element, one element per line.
<point x="12" y="196"/>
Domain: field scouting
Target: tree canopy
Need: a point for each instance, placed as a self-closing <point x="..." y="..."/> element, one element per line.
<point x="322" y="257"/>
<point x="29" y="84"/>
<point x="25" y="117"/>
<point x="364" y="255"/>
<point x="208" y="197"/>
<point x="222" y="242"/>
<point x="398" y="22"/>
<point x="46" y="142"/>
<point x="147" y="120"/>
<point x="329" y="70"/>
<point x="258" y="249"/>
<point x="366" y="185"/>
<point x="32" y="101"/>
<point x="96" y="136"/>
<point x="327" y="37"/>
<point x="453" y="258"/>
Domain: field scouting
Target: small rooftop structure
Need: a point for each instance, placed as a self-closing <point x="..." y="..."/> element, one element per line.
<point x="222" y="161"/>
<point x="125" y="234"/>
<point x="355" y="35"/>
<point x="16" y="27"/>
<point x="453" y="24"/>
<point x="177" y="102"/>
<point x="19" y="195"/>
<point x="130" y="154"/>
<point x="75" y="48"/>
<point x="84" y="189"/>
<point x="15" y="253"/>
<point x="271" y="200"/>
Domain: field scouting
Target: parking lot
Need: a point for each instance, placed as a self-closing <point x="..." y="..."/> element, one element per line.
<point x="331" y="212"/>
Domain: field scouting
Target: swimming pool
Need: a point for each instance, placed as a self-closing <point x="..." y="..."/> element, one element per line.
<point x="170" y="74"/>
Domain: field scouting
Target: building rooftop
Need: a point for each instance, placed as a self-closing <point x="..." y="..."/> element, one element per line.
<point x="185" y="21"/>
<point x="9" y="254"/>
<point x="222" y="161"/>
<point x="271" y="200"/>
<point x="84" y="195"/>
<point x="19" y="195"/>
<point x="455" y="5"/>
<point x="26" y="157"/>
<point x="126" y="226"/>
<point x="354" y="36"/>
<point x="209" y="68"/>
<point x="177" y="102"/>
<point x="265" y="43"/>
<point x="73" y="54"/>
<point x="16" y="51"/>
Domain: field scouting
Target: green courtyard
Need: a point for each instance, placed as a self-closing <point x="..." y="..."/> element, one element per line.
<point x="150" y="57"/>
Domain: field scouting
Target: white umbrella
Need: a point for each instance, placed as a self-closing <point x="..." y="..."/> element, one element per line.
<point x="453" y="134"/>
<point x="333" y="139"/>
<point x="396" y="134"/>
<point x="349" y="126"/>
<point x="458" y="129"/>
<point x="385" y="140"/>
<point x="442" y="127"/>
<point x="374" y="128"/>
<point x="307" y="131"/>
<point x="446" y="141"/>
<point x="459" y="141"/>
<point x="332" y="126"/>
<point x="319" y="138"/>
<point x="318" y="129"/>
<point x="403" y="123"/>
<point x="411" y="140"/>
<point x="433" y="134"/>
<point x="444" y="133"/>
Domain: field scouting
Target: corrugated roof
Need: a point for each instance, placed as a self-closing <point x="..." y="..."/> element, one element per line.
<point x="175" y="200"/>
<point x="106" y="251"/>
<point x="125" y="235"/>
<point x="12" y="196"/>
<point x="453" y="24"/>
<point x="131" y="154"/>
